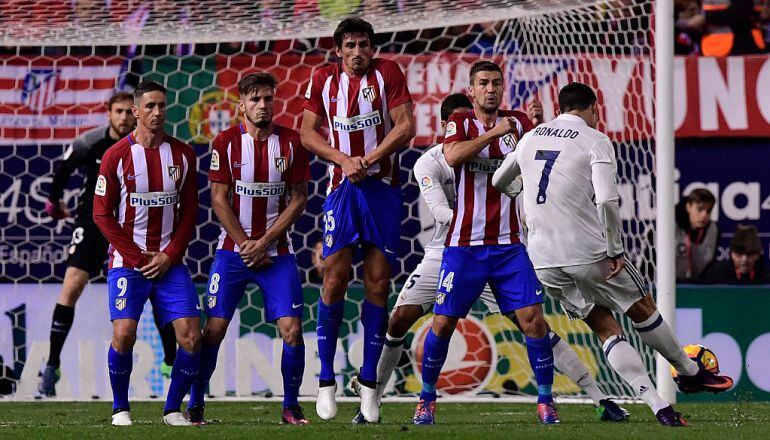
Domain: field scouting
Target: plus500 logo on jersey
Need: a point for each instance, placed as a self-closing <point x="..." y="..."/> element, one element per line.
<point x="259" y="189"/>
<point x="159" y="198"/>
<point x="484" y="165"/>
<point x="357" y="123"/>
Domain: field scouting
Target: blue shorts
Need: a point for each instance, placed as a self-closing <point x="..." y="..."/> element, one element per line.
<point x="279" y="283"/>
<point x="466" y="269"/>
<point x="365" y="212"/>
<point x="173" y="296"/>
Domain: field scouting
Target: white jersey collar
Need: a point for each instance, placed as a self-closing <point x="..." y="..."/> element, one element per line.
<point x="572" y="118"/>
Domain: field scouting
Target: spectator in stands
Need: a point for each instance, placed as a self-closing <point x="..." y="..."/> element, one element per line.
<point x="746" y="264"/>
<point x="696" y="238"/>
<point x="731" y="28"/>
<point x="696" y="235"/>
<point x="688" y="27"/>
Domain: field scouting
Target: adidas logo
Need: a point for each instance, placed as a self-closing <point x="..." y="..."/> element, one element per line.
<point x="643" y="389"/>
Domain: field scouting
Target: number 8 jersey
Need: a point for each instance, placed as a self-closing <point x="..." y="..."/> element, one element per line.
<point x="566" y="165"/>
<point x="483" y="215"/>
<point x="259" y="174"/>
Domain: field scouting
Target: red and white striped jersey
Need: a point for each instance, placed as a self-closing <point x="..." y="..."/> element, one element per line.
<point x="259" y="174"/>
<point x="146" y="199"/>
<point x="483" y="215"/>
<point x="357" y="110"/>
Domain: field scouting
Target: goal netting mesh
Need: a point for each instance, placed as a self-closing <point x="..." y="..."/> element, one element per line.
<point x="60" y="62"/>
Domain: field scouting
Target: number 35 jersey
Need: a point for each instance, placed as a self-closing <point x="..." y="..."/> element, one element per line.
<point x="259" y="174"/>
<point x="562" y="162"/>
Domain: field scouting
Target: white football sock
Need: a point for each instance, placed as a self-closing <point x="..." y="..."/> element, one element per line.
<point x="656" y="333"/>
<point x="566" y="360"/>
<point x="627" y="362"/>
<point x="391" y="354"/>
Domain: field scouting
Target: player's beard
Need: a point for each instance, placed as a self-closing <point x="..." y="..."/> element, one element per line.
<point x="121" y="130"/>
<point x="260" y="123"/>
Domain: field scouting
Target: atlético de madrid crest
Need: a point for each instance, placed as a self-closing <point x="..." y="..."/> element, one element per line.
<point x="173" y="172"/>
<point x="368" y="93"/>
<point x="280" y="164"/>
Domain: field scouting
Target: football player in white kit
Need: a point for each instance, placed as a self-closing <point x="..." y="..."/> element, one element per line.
<point x="436" y="181"/>
<point x="571" y="209"/>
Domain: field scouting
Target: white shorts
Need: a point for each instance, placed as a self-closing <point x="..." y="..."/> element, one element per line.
<point x="420" y="288"/>
<point x="578" y="288"/>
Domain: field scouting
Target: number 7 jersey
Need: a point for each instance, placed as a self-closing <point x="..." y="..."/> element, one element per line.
<point x="559" y="161"/>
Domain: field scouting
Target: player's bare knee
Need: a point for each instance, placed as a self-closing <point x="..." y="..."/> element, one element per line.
<point x="291" y="330"/>
<point x="123" y="338"/>
<point x="335" y="286"/>
<point x="189" y="340"/>
<point x="444" y="326"/>
<point x="532" y="322"/>
<point x="642" y="310"/>
<point x="402" y="319"/>
<point x="215" y="330"/>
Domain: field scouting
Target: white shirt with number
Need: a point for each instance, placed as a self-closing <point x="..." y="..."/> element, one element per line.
<point x="566" y="166"/>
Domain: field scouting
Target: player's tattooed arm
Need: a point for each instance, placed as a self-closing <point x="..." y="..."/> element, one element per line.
<point x="402" y="133"/>
<point x="353" y="167"/>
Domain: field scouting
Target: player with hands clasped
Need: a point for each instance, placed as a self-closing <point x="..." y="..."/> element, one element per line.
<point x="258" y="173"/>
<point x="571" y="207"/>
<point x="145" y="204"/>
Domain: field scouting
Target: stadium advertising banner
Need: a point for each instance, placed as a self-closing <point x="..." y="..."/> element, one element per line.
<point x="51" y="99"/>
<point x="487" y="355"/>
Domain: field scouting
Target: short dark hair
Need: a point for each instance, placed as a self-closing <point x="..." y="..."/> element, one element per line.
<point x="483" y="66"/>
<point x="353" y="25"/>
<point x="119" y="97"/>
<point x="576" y="96"/>
<point x="702" y="196"/>
<point x="148" y="86"/>
<point x="253" y="81"/>
<point x="452" y="102"/>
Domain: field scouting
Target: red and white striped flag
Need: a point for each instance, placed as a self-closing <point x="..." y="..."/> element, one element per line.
<point x="51" y="101"/>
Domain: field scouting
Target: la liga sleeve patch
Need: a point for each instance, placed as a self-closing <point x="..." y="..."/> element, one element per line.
<point x="101" y="186"/>
<point x="451" y="129"/>
<point x="214" y="161"/>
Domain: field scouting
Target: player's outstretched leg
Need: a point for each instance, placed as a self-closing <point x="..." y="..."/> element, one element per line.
<point x="186" y="366"/>
<point x="656" y="333"/>
<point x="434" y="355"/>
<point x="292" y="369"/>
<point x="626" y="361"/>
<point x="330" y="310"/>
<point x="63" y="314"/>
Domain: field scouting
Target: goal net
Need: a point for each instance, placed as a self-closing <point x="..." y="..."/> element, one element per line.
<point x="57" y="73"/>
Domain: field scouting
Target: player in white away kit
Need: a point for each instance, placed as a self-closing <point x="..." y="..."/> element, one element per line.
<point x="436" y="180"/>
<point x="574" y="239"/>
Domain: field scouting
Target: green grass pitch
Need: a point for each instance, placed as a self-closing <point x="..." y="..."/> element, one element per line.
<point x="64" y="420"/>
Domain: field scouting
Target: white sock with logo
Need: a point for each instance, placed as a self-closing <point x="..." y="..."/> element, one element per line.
<point x="566" y="360"/>
<point x="656" y="333"/>
<point x="391" y="354"/>
<point x="627" y="362"/>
